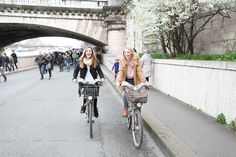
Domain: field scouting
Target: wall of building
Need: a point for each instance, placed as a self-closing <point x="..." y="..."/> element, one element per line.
<point x="219" y="36"/>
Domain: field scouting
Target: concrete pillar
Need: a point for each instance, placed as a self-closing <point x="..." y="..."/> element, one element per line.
<point x="116" y="37"/>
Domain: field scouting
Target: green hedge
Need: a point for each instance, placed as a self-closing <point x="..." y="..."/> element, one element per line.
<point x="228" y="56"/>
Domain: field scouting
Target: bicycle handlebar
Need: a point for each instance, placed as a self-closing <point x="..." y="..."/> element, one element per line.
<point x="97" y="81"/>
<point x="126" y="85"/>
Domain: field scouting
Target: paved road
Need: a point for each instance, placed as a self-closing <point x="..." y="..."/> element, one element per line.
<point x="41" y="119"/>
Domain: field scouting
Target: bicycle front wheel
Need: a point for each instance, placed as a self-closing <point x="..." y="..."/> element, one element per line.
<point x="137" y="129"/>
<point x="128" y="121"/>
<point x="90" y="117"/>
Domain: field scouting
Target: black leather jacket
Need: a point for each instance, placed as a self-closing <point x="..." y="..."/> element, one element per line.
<point x="83" y="71"/>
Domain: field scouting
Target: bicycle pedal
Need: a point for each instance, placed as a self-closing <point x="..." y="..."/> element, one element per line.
<point x="88" y="121"/>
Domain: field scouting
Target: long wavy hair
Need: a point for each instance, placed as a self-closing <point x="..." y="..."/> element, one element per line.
<point x="134" y="58"/>
<point x="93" y="57"/>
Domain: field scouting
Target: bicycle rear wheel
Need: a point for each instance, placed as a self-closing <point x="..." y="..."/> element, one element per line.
<point x="137" y="128"/>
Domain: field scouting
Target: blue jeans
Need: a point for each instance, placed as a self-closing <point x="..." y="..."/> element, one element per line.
<point x="42" y="70"/>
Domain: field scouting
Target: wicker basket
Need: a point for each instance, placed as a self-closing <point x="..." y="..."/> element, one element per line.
<point x="91" y="90"/>
<point x="137" y="97"/>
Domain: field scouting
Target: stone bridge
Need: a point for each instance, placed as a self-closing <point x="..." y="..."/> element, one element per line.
<point x="95" y="22"/>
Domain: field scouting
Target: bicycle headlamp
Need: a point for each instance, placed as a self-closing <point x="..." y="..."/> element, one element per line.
<point x="139" y="104"/>
<point x="90" y="97"/>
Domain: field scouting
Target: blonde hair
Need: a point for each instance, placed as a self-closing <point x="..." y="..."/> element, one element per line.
<point x="134" y="58"/>
<point x="94" y="59"/>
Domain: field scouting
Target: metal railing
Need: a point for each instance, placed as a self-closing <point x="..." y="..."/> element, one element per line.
<point x="59" y="3"/>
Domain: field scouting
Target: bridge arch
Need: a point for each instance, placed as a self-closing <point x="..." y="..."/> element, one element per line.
<point x="14" y="32"/>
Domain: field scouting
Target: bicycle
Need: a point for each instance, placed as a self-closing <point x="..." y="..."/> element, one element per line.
<point x="137" y="96"/>
<point x="90" y="90"/>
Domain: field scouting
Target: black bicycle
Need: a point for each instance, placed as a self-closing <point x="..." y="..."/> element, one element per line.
<point x="137" y="96"/>
<point x="90" y="90"/>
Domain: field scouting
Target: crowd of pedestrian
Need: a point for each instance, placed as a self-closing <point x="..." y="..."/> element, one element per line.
<point x="7" y="63"/>
<point x="64" y="60"/>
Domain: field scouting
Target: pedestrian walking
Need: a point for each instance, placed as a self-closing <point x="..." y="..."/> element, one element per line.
<point x="146" y="64"/>
<point x="11" y="63"/>
<point x="41" y="61"/>
<point x="49" y="63"/>
<point x="2" y="65"/>
<point x="15" y="59"/>
<point x="60" y="61"/>
<point x="89" y="70"/>
<point x="67" y="61"/>
<point x="115" y="67"/>
<point x="6" y="62"/>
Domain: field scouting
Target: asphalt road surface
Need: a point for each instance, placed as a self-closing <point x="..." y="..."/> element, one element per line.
<point x="41" y="118"/>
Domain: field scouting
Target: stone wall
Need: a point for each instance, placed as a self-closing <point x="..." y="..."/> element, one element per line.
<point x="219" y="36"/>
<point x="25" y="62"/>
<point x="209" y="86"/>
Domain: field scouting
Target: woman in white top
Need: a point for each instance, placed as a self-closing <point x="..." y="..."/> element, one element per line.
<point x="89" y="70"/>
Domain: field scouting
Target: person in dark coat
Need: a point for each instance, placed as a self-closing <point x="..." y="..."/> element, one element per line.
<point x="41" y="61"/>
<point x="89" y="70"/>
<point x="15" y="59"/>
<point x="1" y="66"/>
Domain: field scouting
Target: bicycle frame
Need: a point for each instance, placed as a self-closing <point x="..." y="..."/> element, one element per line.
<point x="134" y="120"/>
<point x="91" y="91"/>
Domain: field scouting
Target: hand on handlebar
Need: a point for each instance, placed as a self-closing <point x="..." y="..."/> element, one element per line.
<point x="118" y="84"/>
<point x="74" y="80"/>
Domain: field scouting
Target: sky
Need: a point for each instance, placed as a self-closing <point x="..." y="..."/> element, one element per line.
<point x="54" y="41"/>
<point x="60" y="41"/>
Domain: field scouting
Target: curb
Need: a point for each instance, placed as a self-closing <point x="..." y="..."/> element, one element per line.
<point x="20" y="70"/>
<point x="169" y="142"/>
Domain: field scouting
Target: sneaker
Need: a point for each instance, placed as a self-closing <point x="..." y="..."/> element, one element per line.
<point x="96" y="112"/>
<point x="83" y="108"/>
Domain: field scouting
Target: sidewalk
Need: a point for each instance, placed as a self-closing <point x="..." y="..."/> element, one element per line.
<point x="18" y="70"/>
<point x="182" y="131"/>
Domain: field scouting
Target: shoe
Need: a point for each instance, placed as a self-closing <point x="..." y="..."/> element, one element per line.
<point x="125" y="112"/>
<point x="96" y="112"/>
<point x="5" y="78"/>
<point x="83" y="108"/>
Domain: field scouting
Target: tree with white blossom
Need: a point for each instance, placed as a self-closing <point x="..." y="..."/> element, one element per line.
<point x="175" y="23"/>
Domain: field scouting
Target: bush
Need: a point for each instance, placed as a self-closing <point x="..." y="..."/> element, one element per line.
<point x="227" y="56"/>
<point x="231" y="125"/>
<point x="221" y="118"/>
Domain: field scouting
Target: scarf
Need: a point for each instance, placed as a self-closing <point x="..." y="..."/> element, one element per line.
<point x="87" y="62"/>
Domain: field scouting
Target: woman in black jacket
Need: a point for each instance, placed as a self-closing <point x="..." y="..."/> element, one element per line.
<point x="89" y="70"/>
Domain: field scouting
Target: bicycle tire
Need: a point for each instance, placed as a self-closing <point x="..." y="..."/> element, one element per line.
<point x="90" y="108"/>
<point x="129" y="121"/>
<point x="137" y="129"/>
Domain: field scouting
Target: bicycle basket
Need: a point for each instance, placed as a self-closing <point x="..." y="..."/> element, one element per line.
<point x="137" y="97"/>
<point x="90" y="90"/>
